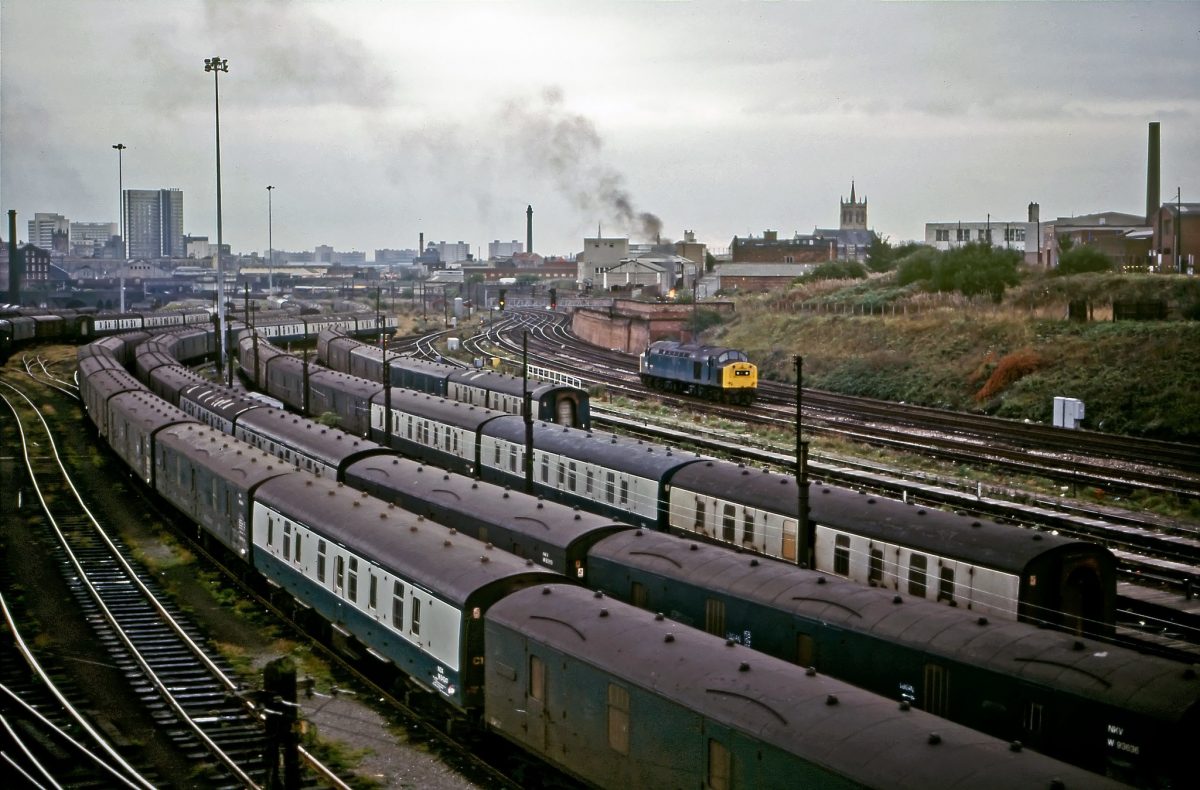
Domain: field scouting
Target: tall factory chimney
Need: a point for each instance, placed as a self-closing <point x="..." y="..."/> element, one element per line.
<point x="14" y="260"/>
<point x="421" y="245"/>
<point x="1153" y="188"/>
<point x="529" y="229"/>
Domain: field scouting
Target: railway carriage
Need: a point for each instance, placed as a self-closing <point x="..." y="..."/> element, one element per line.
<point x="611" y="476"/>
<point x="551" y="402"/>
<point x="554" y="536"/>
<point x="121" y="347"/>
<point x="214" y="405"/>
<point x="212" y="479"/>
<point x="620" y="697"/>
<point x="134" y="418"/>
<point x="1043" y="688"/>
<point x="980" y="565"/>
<point x="412" y="592"/>
<point x="349" y="397"/>
<point x="430" y="429"/>
<point x="305" y="444"/>
<point x="98" y="387"/>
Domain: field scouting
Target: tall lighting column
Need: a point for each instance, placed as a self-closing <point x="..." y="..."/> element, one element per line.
<point x="121" y="197"/>
<point x="270" y="247"/>
<point x="217" y="65"/>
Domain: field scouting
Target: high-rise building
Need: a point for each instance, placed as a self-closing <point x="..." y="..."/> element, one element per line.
<point x="504" y="249"/>
<point x="154" y="223"/>
<point x="43" y="228"/>
<point x="88" y="238"/>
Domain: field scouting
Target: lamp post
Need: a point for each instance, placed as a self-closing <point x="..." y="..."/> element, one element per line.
<point x="270" y="247"/>
<point x="217" y="65"/>
<point x="121" y="197"/>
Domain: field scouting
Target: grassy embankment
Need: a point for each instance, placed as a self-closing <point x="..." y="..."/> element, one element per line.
<point x="1009" y="360"/>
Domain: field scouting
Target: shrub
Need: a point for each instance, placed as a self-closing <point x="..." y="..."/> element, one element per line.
<point x="1078" y="260"/>
<point x="1010" y="369"/>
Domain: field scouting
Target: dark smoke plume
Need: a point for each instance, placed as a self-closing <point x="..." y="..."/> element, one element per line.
<point x="566" y="145"/>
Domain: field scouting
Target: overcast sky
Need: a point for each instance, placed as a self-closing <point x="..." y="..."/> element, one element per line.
<point x="376" y="121"/>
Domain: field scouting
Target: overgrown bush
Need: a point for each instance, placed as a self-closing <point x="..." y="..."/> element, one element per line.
<point x="1078" y="260"/>
<point x="837" y="270"/>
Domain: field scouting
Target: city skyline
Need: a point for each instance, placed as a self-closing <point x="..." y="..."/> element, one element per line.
<point x="376" y="123"/>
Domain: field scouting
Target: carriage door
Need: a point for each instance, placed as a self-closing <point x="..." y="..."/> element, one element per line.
<point x="566" y="411"/>
<point x="535" y="704"/>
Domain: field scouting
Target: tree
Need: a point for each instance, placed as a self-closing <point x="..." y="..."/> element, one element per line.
<point x="837" y="270"/>
<point x="975" y="269"/>
<point x="1077" y="260"/>
<point x="917" y="266"/>
<point x="883" y="257"/>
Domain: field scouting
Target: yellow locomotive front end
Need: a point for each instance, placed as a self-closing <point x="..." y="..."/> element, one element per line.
<point x="739" y="382"/>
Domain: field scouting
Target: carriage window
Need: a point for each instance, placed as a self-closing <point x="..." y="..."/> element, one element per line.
<point x="1031" y="718"/>
<point x="571" y="476"/>
<point x="946" y="585"/>
<point x="562" y="473"/>
<point x="287" y="539"/>
<point x="372" y="595"/>
<point x="618" y="719"/>
<point x="747" y="527"/>
<point x="916" y="575"/>
<point x="728" y="523"/>
<point x="339" y="573"/>
<point x="497" y="457"/>
<point x="588" y="480"/>
<point x="321" y="561"/>
<point x="714" y="617"/>
<point x="875" y="573"/>
<point x="610" y="486"/>
<point x="537" y="679"/>
<point x="719" y="766"/>
<point x="841" y="555"/>
<point x="545" y="468"/>
<point x="937" y="690"/>
<point x="352" y="582"/>
<point x="624" y="492"/>
<point x="699" y="523"/>
<point x="637" y="594"/>
<point x="296" y="557"/>
<point x="806" y="650"/>
<point x="397" y="605"/>
<point x="416" y="616"/>
<point x="514" y="458"/>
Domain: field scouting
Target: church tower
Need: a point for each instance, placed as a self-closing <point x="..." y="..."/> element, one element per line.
<point x="854" y="214"/>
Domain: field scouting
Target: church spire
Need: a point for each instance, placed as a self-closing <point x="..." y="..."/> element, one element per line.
<point x="852" y="190"/>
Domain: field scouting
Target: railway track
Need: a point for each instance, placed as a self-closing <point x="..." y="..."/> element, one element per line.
<point x="186" y="687"/>
<point x="1116" y="465"/>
